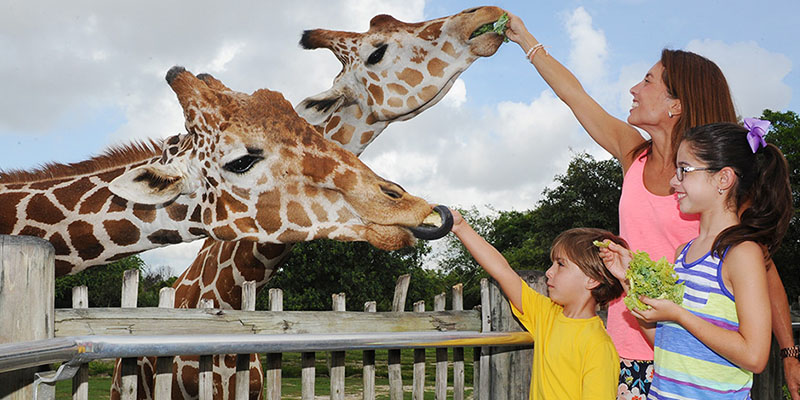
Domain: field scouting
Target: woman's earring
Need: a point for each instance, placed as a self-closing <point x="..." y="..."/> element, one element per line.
<point x="669" y="113"/>
<point x="719" y="190"/>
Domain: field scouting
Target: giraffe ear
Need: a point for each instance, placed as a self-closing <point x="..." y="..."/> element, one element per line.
<point x="151" y="184"/>
<point x="318" y="108"/>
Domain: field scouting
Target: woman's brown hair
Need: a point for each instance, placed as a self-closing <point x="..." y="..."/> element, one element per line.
<point x="702" y="90"/>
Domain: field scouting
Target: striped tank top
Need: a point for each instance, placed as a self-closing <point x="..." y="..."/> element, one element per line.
<point x="685" y="368"/>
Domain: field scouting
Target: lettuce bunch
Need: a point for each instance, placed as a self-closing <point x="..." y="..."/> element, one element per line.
<point x="498" y="27"/>
<point x="654" y="279"/>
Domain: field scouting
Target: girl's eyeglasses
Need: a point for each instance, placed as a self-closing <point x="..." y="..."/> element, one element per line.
<point x="681" y="171"/>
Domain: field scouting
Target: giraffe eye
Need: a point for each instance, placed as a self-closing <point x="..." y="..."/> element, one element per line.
<point x="377" y="55"/>
<point x="242" y="164"/>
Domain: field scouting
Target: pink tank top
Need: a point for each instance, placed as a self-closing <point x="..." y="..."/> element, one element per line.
<point x="653" y="224"/>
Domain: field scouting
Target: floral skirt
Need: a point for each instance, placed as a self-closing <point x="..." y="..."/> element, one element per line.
<point x="635" y="377"/>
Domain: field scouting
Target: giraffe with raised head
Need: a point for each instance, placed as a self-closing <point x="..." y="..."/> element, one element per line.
<point x="392" y="72"/>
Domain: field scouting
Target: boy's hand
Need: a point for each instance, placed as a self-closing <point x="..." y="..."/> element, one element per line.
<point x="458" y="220"/>
<point x="661" y="310"/>
<point x="616" y="259"/>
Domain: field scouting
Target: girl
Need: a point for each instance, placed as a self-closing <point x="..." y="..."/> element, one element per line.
<point x="709" y="347"/>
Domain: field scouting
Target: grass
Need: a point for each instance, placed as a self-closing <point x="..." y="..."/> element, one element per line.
<point x="100" y="375"/>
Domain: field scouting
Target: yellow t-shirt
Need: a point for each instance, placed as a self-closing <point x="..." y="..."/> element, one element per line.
<point x="572" y="358"/>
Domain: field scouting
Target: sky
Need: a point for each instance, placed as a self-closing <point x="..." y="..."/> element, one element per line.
<point x="80" y="76"/>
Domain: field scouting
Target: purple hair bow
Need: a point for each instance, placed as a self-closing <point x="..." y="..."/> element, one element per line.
<point x="757" y="128"/>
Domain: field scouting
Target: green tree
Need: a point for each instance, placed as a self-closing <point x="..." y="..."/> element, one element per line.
<point x="104" y="284"/>
<point x="785" y="133"/>
<point x="316" y="270"/>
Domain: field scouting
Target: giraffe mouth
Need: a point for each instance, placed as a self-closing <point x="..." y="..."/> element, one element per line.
<point x="437" y="224"/>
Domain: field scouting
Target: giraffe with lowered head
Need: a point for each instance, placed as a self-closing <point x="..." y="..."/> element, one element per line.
<point x="392" y="72"/>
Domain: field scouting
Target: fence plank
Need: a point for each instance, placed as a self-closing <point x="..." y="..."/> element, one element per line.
<point x="243" y="360"/>
<point x="80" y="383"/>
<point x="482" y="392"/>
<point x="308" y="361"/>
<point x="458" y="352"/>
<point x="274" y="360"/>
<point x="441" y="355"/>
<point x="337" y="357"/>
<point x="418" y="379"/>
<point x="163" y="379"/>
<point x="128" y="367"/>
<point x="151" y="321"/>
<point x="395" y="371"/>
<point x="369" y="362"/>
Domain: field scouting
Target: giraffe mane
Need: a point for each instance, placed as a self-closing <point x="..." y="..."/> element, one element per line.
<point x="112" y="157"/>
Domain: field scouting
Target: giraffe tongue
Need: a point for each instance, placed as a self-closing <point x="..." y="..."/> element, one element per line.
<point x="435" y="225"/>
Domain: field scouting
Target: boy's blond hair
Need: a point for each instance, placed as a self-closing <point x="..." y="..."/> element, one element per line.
<point x="577" y="245"/>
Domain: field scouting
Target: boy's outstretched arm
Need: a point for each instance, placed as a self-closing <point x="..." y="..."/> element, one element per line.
<point x="490" y="259"/>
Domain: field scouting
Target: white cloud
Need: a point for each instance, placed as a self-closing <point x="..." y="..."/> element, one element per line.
<point x="755" y="75"/>
<point x="457" y="94"/>
<point x="589" y="50"/>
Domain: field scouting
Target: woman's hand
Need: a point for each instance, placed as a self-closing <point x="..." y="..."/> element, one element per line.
<point x="661" y="310"/>
<point x="458" y="220"/>
<point x="616" y="259"/>
<point x="517" y="33"/>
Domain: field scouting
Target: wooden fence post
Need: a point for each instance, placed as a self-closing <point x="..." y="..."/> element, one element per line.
<point x="337" y="357"/>
<point x="458" y="352"/>
<point x="27" y="286"/>
<point x="368" y="358"/>
<point x="80" y="383"/>
<point x="243" y="360"/>
<point x="395" y="368"/>
<point x="205" y="387"/>
<point x="418" y="379"/>
<point x="439" y="302"/>
<point x="274" y="360"/>
<point x="130" y="295"/>
<point x="163" y="381"/>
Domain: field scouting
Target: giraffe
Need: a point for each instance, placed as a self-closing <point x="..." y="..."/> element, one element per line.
<point x="392" y="72"/>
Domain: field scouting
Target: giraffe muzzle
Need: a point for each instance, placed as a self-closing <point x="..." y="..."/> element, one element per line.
<point x="435" y="225"/>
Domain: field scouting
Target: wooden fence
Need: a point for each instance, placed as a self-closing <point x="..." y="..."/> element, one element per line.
<point x="500" y="371"/>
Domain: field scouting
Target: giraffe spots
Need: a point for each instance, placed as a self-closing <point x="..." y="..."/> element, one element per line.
<point x="318" y="167"/>
<point x="332" y="123"/>
<point x="267" y="218"/>
<point x="296" y="214"/>
<point x="145" y="212"/>
<point x="45" y="185"/>
<point x="41" y="209"/>
<point x="428" y="93"/>
<point x="374" y="77"/>
<point x="291" y="235"/>
<point x="32" y="231"/>
<point x="436" y="67"/>
<point x="319" y="212"/>
<point x="198" y="232"/>
<point x="345" y="181"/>
<point x="177" y="212"/>
<point x="8" y="210"/>
<point x="224" y="232"/>
<point x="63" y="268"/>
<point x="410" y="76"/>
<point x="366" y="137"/>
<point x="226" y="286"/>
<point x="221" y="211"/>
<point x="122" y="232"/>
<point x="59" y="244"/>
<point x="394" y="102"/>
<point x="81" y="235"/>
<point x="69" y="195"/>
<point x="344" y="134"/>
<point x="432" y="31"/>
<point x="207" y="216"/>
<point x="209" y="274"/>
<point x="232" y="204"/>
<point x="195" y="217"/>
<point x="95" y="202"/>
<point x="245" y="225"/>
<point x="399" y="89"/>
<point x="419" y="55"/>
<point x="447" y="48"/>
<point x="165" y="236"/>
<point x="376" y="92"/>
<point x="343" y="215"/>
<point x="412" y="102"/>
<point x="371" y="118"/>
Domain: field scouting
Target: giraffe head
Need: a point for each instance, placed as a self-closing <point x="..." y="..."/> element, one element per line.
<point x="252" y="169"/>
<point x="394" y="71"/>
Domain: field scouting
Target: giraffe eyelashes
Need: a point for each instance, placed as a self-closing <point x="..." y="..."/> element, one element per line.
<point x="242" y="164"/>
<point x="377" y="55"/>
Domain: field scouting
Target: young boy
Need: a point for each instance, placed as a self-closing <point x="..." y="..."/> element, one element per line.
<point x="574" y="357"/>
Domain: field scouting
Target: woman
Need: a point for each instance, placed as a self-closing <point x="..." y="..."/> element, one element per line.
<point x="680" y="91"/>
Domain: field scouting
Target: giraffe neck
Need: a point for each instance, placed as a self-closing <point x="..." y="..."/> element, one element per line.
<point x="87" y="224"/>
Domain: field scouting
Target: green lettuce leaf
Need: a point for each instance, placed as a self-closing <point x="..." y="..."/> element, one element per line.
<point x="654" y="279"/>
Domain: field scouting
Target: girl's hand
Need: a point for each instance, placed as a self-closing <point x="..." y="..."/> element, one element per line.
<point x="458" y="221"/>
<point x="662" y="310"/>
<point x="616" y="259"/>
